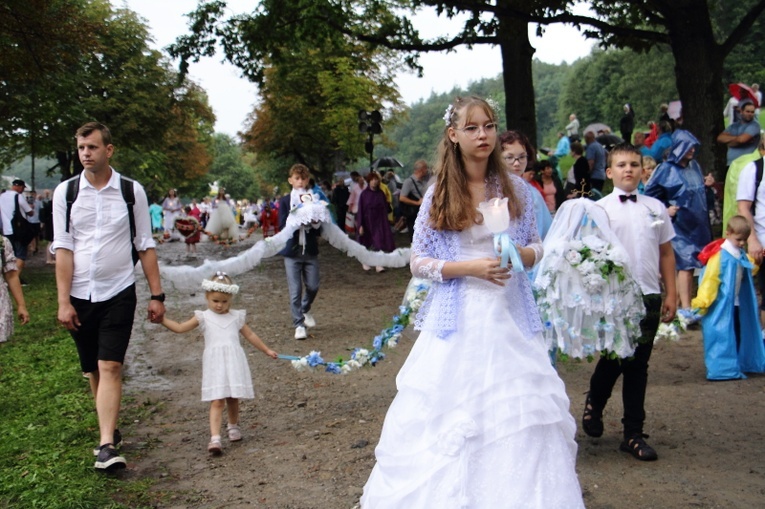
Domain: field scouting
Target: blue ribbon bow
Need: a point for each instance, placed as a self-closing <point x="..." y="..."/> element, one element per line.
<point x="507" y="251"/>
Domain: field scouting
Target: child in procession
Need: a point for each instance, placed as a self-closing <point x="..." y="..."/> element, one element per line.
<point x="226" y="374"/>
<point x="726" y="297"/>
<point x="643" y="226"/>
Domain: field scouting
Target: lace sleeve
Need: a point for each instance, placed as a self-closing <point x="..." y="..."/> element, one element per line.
<point x="423" y="261"/>
<point x="426" y="267"/>
<point x="538" y="253"/>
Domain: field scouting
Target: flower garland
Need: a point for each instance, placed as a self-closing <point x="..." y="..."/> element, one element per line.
<point x="389" y="337"/>
<point x="671" y="331"/>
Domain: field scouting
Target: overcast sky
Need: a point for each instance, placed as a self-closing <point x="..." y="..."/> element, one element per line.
<point x="233" y="97"/>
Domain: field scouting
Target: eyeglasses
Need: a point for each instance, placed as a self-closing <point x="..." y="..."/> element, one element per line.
<point x="472" y="131"/>
<point x="511" y="160"/>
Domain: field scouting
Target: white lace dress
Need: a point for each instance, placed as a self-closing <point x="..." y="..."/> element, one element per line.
<point x="225" y="372"/>
<point x="481" y="419"/>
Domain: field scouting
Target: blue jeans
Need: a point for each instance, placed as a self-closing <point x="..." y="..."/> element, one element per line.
<point x="301" y="269"/>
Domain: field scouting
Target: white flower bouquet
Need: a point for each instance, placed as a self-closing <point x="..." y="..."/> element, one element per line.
<point x="587" y="298"/>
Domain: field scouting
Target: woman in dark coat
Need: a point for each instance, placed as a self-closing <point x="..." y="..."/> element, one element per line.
<point x="372" y="218"/>
<point x="627" y="123"/>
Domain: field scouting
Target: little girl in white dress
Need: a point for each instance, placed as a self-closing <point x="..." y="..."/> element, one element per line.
<point x="225" y="373"/>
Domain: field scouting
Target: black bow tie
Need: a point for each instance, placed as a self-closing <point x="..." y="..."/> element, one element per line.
<point x="625" y="197"/>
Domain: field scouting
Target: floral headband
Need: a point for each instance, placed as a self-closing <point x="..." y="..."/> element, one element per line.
<point x="450" y="110"/>
<point x="211" y="285"/>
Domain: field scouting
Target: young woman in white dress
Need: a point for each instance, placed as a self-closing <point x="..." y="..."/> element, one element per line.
<point x="481" y="419"/>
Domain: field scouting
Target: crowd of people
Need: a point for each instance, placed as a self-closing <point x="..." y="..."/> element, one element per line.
<point x="451" y="431"/>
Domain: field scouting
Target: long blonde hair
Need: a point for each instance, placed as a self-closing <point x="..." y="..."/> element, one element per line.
<point x="452" y="208"/>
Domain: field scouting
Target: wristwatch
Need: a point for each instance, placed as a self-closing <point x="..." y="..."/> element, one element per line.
<point x="160" y="297"/>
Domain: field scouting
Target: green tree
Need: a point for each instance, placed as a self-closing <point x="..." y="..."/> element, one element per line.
<point x="598" y="86"/>
<point x="699" y="53"/>
<point x="160" y="124"/>
<point x="254" y="40"/>
<point x="316" y="126"/>
<point x="42" y="43"/>
<point x="313" y="79"/>
<point x="742" y="64"/>
<point x="231" y="171"/>
<point x="549" y="80"/>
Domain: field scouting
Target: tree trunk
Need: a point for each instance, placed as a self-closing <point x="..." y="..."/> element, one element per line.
<point x="66" y="160"/>
<point x="698" y="74"/>
<point x="517" y="53"/>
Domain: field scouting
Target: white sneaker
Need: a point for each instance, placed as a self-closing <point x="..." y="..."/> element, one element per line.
<point x="300" y="333"/>
<point x="308" y="320"/>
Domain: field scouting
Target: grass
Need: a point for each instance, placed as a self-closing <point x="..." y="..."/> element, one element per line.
<point x="49" y="425"/>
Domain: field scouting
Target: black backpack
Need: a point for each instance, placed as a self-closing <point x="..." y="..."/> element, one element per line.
<point x="757" y="180"/>
<point x="126" y="186"/>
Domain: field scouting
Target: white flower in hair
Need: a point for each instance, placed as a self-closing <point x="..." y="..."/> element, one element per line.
<point x="448" y="115"/>
<point x="493" y="105"/>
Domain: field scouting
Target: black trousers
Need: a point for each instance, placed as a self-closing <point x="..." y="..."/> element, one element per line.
<point x="634" y="371"/>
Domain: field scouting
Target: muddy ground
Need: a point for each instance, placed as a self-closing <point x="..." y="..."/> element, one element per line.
<point x="309" y="438"/>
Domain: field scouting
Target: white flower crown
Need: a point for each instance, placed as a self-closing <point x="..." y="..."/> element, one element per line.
<point x="217" y="286"/>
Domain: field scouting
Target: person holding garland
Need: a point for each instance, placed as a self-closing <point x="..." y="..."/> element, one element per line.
<point x="481" y="418"/>
<point x="372" y="218"/>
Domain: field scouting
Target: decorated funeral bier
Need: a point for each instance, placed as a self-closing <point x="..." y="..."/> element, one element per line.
<point x="587" y="298"/>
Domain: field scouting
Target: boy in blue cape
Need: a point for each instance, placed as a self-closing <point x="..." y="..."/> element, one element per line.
<point x="733" y="341"/>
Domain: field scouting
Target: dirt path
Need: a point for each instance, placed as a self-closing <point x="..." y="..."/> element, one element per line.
<point x="309" y="438"/>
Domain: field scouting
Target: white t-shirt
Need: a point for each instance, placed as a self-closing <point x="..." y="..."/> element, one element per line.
<point x="641" y="226"/>
<point x="745" y="191"/>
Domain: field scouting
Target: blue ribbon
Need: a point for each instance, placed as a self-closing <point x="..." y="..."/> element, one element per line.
<point x="288" y="357"/>
<point x="507" y="251"/>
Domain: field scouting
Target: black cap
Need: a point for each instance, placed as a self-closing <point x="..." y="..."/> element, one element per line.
<point x="19" y="182"/>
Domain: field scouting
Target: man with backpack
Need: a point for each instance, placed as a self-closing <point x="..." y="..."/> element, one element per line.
<point x="10" y="202"/>
<point x="99" y="218"/>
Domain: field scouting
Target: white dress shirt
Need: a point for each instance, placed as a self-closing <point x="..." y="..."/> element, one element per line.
<point x="641" y="226"/>
<point x="99" y="237"/>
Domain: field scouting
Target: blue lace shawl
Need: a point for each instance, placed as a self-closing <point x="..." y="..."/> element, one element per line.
<point x="445" y="297"/>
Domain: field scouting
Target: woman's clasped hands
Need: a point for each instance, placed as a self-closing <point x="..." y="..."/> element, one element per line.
<point x="491" y="270"/>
